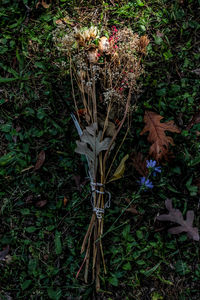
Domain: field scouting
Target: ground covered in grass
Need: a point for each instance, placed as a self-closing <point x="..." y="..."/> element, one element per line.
<point x="44" y="210"/>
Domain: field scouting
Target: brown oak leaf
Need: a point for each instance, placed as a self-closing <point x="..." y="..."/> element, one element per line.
<point x="176" y="216"/>
<point x="157" y="137"/>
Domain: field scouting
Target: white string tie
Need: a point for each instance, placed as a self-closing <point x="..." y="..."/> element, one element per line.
<point x="98" y="210"/>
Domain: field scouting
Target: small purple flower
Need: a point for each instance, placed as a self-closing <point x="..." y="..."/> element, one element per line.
<point x="146" y="183"/>
<point x="151" y="164"/>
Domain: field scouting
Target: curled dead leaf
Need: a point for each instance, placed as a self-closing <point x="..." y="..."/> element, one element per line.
<point x="120" y="169"/>
<point x="29" y="199"/>
<point x="132" y="209"/>
<point x="65" y="200"/>
<point x="43" y="3"/>
<point x="40" y="160"/>
<point x="41" y="203"/>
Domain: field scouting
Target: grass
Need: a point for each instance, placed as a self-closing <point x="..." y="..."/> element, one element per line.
<point x="44" y="231"/>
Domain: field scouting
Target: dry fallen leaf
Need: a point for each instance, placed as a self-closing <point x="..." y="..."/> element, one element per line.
<point x="96" y="145"/>
<point x="41" y="203"/>
<point x="65" y="200"/>
<point x="176" y="216"/>
<point x="157" y="137"/>
<point x="119" y="172"/>
<point x="40" y="160"/>
<point x="132" y="209"/>
<point x="43" y="3"/>
<point x="29" y="199"/>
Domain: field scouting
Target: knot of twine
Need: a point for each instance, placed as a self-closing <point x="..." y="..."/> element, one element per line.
<point x="99" y="210"/>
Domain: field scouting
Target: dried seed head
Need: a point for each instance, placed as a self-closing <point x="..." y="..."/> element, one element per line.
<point x="115" y="58"/>
<point x="143" y="43"/>
<point x="93" y="55"/>
<point x="86" y="35"/>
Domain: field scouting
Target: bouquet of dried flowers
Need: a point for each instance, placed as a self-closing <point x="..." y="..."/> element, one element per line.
<point x="105" y="63"/>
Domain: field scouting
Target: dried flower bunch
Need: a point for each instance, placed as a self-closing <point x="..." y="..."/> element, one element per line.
<point x="106" y="60"/>
<point x="105" y="63"/>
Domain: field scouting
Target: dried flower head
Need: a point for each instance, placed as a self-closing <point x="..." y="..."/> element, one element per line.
<point x="143" y="43"/>
<point x="93" y="55"/>
<point x="108" y="66"/>
<point x="103" y="45"/>
<point x="85" y="35"/>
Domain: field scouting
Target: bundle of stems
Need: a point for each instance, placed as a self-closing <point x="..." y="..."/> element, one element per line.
<point x="105" y="65"/>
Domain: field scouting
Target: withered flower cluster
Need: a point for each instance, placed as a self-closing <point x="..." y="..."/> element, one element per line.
<point x="106" y="62"/>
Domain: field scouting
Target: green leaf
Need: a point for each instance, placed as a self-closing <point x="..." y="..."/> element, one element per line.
<point x="58" y="245"/>
<point x="5" y="80"/>
<point x="127" y="266"/>
<point x="114" y="281"/>
<point x="126" y="231"/>
<point x="25" y="211"/>
<point x="26" y="284"/>
<point x="194" y="162"/>
<point x="31" y="229"/>
<point x="139" y="234"/>
<point x="149" y="272"/>
<point x="139" y="3"/>
<point x="181" y="267"/>
<point x="156" y="296"/>
<point x="40" y="65"/>
<point x="54" y="295"/>
<point x="140" y="262"/>
<point x="7" y="158"/>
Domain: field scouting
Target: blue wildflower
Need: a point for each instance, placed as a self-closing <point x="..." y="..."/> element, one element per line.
<point x="151" y="164"/>
<point x="146" y="183"/>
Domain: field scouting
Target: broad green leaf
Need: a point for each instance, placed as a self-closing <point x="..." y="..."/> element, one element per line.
<point x="120" y="169"/>
<point x="26" y="284"/>
<point x="139" y="3"/>
<point x="113" y="281"/>
<point x="127" y="266"/>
